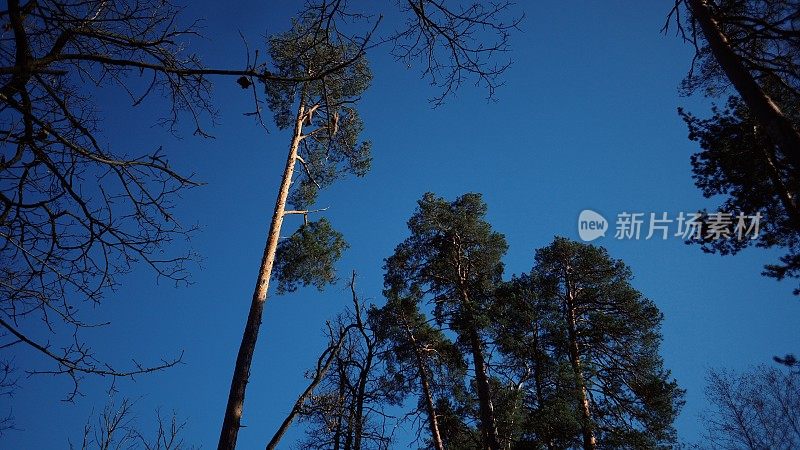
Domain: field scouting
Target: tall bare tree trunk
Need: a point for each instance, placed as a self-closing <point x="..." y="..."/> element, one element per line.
<point x="244" y="359"/>
<point x="778" y="127"/>
<point x="348" y="437"/>
<point x="433" y="420"/>
<point x="337" y="435"/>
<point x="589" y="440"/>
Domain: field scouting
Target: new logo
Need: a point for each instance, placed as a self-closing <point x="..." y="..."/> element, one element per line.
<point x="591" y="225"/>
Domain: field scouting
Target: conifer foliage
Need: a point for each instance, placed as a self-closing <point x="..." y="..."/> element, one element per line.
<point x="565" y="356"/>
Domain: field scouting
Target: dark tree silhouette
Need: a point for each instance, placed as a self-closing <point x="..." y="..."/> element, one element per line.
<point x="456" y="42"/>
<point x="349" y="326"/>
<point x="75" y="211"/>
<point x="750" y="149"/>
<point x="8" y="383"/>
<point x="747" y="43"/>
<point x="348" y="410"/>
<point x="739" y="162"/>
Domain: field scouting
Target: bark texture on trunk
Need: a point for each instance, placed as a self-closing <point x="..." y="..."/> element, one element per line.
<point x="778" y="127"/>
<point x="488" y="422"/>
<point x="244" y="359"/>
<point x="433" y="420"/>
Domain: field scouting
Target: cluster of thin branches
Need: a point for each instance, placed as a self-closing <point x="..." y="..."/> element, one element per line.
<point x="8" y="383"/>
<point x="348" y="410"/>
<point x="116" y="428"/>
<point x="455" y="43"/>
<point x="754" y="409"/>
<point x="75" y="213"/>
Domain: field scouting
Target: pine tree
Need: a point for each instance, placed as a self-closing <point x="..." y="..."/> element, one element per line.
<point x="610" y="335"/>
<point x="453" y="257"/>
<point x="750" y="148"/>
<point x="329" y="150"/>
<point x="738" y="162"/>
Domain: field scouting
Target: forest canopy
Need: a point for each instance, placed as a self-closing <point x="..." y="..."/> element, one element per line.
<point x="446" y="224"/>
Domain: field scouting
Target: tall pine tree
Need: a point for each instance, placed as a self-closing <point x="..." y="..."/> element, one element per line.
<point x="325" y="145"/>
<point x="610" y="335"/>
<point x="453" y="258"/>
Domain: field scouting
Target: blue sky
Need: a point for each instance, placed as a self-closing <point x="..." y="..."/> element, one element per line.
<point x="586" y="119"/>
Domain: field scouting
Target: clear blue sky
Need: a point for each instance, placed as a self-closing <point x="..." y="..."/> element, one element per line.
<point x="587" y="119"/>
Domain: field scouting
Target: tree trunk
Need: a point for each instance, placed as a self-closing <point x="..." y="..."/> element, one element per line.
<point x="358" y="428"/>
<point x="244" y="359"/>
<point x="488" y="422"/>
<point x="337" y="435"/>
<point x="787" y="198"/>
<point x="433" y="421"/>
<point x="589" y="441"/>
<point x="491" y="439"/>
<point x="778" y="127"/>
<point x="537" y="375"/>
<point x="351" y="411"/>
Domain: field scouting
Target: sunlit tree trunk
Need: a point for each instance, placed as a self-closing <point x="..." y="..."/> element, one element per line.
<point x="589" y="440"/>
<point x="433" y="421"/>
<point x="241" y="373"/>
